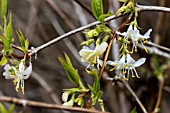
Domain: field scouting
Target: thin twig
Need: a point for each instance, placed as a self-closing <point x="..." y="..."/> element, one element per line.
<point x="30" y="103"/>
<point x="161" y="84"/>
<point x="139" y="9"/>
<point x="133" y="94"/>
<point x="35" y="50"/>
<point x="152" y="8"/>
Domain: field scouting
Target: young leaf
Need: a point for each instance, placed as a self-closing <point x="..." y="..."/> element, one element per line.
<point x="3" y="61"/>
<point x="3" y="8"/>
<point x="134" y="110"/>
<point x="123" y="1"/>
<point x="103" y="16"/>
<point x="97" y="8"/>
<point x="11" y="109"/>
<point x="2" y="109"/>
<point x="21" y="38"/>
<point x="9" y="30"/>
<point x="71" y="72"/>
<point x="96" y="85"/>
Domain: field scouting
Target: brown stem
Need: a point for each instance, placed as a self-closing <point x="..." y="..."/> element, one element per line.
<point x="30" y="103"/>
<point x="161" y="84"/>
<point x="133" y="94"/>
<point x="113" y="35"/>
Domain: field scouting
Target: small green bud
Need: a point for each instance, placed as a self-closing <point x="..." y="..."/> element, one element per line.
<point x="95" y="33"/>
<point x="89" y="34"/>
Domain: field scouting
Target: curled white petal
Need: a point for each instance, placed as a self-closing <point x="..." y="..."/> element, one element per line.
<point x="27" y="72"/>
<point x="101" y="48"/>
<point x="139" y="62"/>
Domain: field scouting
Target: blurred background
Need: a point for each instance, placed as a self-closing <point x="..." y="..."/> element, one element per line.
<point x="43" y="20"/>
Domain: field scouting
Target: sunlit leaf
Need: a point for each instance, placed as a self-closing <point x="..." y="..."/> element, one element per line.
<point x="96" y="84"/>
<point x="2" y="109"/>
<point x="134" y="110"/>
<point x="123" y="0"/>
<point x="97" y="8"/>
<point x="21" y="38"/>
<point x="3" y="60"/>
<point x="11" y="109"/>
<point x="71" y="72"/>
<point x="3" y="8"/>
<point x="103" y="16"/>
<point x="9" y="30"/>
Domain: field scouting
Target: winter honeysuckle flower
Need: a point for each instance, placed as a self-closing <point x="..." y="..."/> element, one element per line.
<point x="18" y="74"/>
<point x="8" y="74"/>
<point x="126" y="64"/>
<point x="65" y="96"/>
<point x="134" y="34"/>
<point x="92" y="56"/>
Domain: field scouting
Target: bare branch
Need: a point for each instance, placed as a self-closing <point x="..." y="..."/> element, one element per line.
<point x="152" y="8"/>
<point x="30" y="103"/>
<point x="133" y="94"/>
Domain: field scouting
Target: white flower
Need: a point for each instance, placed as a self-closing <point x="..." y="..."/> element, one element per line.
<point x="134" y="34"/>
<point x="19" y="75"/>
<point x="69" y="103"/>
<point x="65" y="96"/>
<point x="7" y="73"/>
<point x="92" y="56"/>
<point x="126" y="63"/>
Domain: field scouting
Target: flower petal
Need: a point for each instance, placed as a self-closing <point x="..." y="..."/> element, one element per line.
<point x="101" y="48"/>
<point x="130" y="60"/>
<point x="147" y="34"/>
<point x="7" y="66"/>
<point x="139" y="62"/>
<point x="21" y="67"/>
<point x="27" y="72"/>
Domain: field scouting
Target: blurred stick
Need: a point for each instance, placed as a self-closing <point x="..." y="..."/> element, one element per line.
<point x="133" y="94"/>
<point x="161" y="84"/>
<point x="36" y="104"/>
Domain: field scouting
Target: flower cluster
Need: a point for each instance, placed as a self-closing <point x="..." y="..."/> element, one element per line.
<point x="126" y="63"/>
<point x="18" y="73"/>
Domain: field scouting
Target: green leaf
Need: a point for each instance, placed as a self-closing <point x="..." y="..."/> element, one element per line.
<point x="97" y="8"/>
<point x="21" y="38"/>
<point x="9" y="30"/>
<point x="134" y="110"/>
<point x="123" y="1"/>
<point x="105" y="38"/>
<point x="2" y="109"/>
<point x="26" y="44"/>
<point x="11" y="109"/>
<point x="3" y="61"/>
<point x="96" y="84"/>
<point x="71" y="72"/>
<point x="3" y="8"/>
<point x="103" y="16"/>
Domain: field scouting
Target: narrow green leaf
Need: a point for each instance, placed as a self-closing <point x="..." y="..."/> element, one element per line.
<point x="9" y="30"/>
<point x="105" y="38"/>
<point x="96" y="84"/>
<point x="11" y="109"/>
<point x="26" y="44"/>
<point x="3" y="61"/>
<point x="103" y="16"/>
<point x="97" y="8"/>
<point x="134" y="110"/>
<point x="70" y="71"/>
<point x="21" y="38"/>
<point x="3" y="8"/>
<point x="123" y="1"/>
<point x="2" y="109"/>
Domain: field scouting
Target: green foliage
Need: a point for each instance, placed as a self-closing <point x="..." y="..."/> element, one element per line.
<point x="9" y="30"/>
<point x="124" y="1"/>
<point x="4" y="110"/>
<point x="3" y="61"/>
<point x="134" y="110"/>
<point x="103" y="16"/>
<point x="97" y="8"/>
<point x="24" y="43"/>
<point x="3" y="9"/>
<point x="71" y="72"/>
